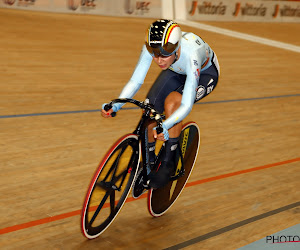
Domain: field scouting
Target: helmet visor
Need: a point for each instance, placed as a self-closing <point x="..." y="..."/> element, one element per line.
<point x="166" y="50"/>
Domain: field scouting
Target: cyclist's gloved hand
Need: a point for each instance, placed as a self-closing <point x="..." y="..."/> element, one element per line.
<point x="165" y="133"/>
<point x="109" y="113"/>
<point x="114" y="107"/>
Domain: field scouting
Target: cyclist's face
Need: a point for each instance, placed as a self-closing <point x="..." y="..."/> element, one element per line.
<point x="164" y="62"/>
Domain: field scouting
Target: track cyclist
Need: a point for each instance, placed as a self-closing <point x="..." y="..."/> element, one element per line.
<point x="190" y="71"/>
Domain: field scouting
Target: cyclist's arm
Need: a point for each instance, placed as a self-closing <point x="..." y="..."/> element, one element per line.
<point x="137" y="78"/>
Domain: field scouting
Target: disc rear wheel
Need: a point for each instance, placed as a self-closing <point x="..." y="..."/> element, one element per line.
<point x="161" y="199"/>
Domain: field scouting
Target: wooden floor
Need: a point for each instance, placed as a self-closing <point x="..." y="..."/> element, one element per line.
<point x="56" y="63"/>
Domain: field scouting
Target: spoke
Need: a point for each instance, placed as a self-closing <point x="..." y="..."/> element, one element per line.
<point x="112" y="202"/>
<point x="124" y="173"/>
<point x="115" y="164"/>
<point x="99" y="208"/>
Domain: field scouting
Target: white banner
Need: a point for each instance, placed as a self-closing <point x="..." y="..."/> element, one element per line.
<point x="114" y="7"/>
<point x="41" y="5"/>
<point x="130" y="8"/>
<point x="210" y="10"/>
<point x="253" y="11"/>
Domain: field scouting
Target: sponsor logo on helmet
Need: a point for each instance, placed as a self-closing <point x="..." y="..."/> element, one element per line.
<point x="155" y="42"/>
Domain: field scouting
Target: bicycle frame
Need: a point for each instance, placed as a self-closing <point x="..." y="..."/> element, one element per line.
<point x="141" y="128"/>
<point x="141" y="131"/>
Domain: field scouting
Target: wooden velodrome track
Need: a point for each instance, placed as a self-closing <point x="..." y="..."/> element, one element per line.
<point x="245" y="184"/>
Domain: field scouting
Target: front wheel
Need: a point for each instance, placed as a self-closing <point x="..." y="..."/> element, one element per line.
<point x="110" y="186"/>
<point x="160" y="200"/>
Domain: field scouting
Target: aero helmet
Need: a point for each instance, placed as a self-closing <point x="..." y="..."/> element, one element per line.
<point x="163" y="38"/>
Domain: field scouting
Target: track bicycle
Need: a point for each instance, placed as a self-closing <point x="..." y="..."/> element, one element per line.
<point x="116" y="173"/>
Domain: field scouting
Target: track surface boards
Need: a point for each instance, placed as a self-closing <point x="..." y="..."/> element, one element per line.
<point x="56" y="70"/>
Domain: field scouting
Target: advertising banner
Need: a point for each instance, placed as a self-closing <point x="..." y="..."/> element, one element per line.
<point x="193" y="10"/>
<point x="253" y="11"/>
<point x="41" y="5"/>
<point x="130" y="8"/>
<point x="111" y="7"/>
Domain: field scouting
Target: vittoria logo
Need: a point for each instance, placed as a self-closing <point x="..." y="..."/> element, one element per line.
<point x="249" y="10"/>
<point x="137" y="7"/>
<point x="207" y="7"/>
<point x="74" y="4"/>
<point x="287" y="11"/>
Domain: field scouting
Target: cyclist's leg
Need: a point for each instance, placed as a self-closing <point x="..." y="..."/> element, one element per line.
<point x="167" y="166"/>
<point x="172" y="103"/>
<point x="166" y="83"/>
<point x="166" y="94"/>
<point x="207" y="83"/>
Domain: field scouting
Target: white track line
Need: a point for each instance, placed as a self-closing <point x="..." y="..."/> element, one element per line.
<point x="240" y="35"/>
